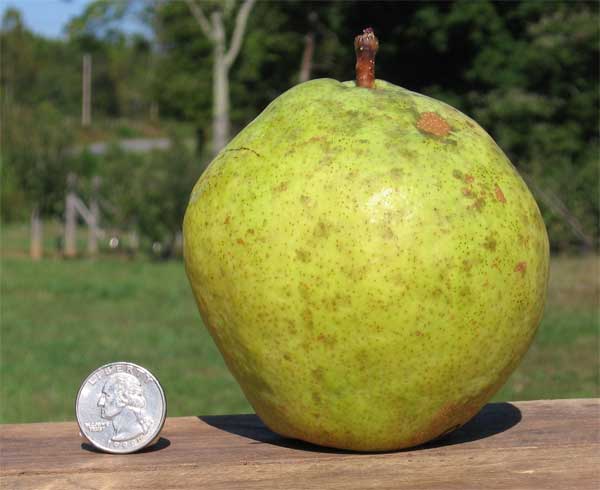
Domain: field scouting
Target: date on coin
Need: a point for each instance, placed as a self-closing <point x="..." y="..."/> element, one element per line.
<point x="121" y="408"/>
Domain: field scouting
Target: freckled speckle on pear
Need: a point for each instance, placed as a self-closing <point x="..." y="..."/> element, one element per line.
<point x="369" y="263"/>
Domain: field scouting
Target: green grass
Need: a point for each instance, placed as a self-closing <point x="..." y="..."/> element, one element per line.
<point x="61" y="319"/>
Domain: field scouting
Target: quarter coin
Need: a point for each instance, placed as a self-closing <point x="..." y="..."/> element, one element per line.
<point x="121" y="408"/>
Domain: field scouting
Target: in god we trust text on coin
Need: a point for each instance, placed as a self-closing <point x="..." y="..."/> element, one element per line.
<point x="121" y="407"/>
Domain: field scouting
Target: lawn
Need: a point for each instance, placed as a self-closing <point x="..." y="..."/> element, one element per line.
<point x="61" y="319"/>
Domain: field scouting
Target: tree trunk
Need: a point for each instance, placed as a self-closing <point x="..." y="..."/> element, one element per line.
<point x="220" y="86"/>
<point x="36" y="250"/>
<point x="307" y="57"/>
<point x="223" y="60"/>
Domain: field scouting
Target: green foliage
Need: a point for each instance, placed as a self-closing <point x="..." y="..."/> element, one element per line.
<point x="149" y="192"/>
<point x="36" y="158"/>
<point x="184" y="90"/>
<point x="35" y="70"/>
<point x="99" y="15"/>
<point x="13" y="202"/>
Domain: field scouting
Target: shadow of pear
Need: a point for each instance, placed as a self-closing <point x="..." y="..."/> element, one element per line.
<point x="494" y="418"/>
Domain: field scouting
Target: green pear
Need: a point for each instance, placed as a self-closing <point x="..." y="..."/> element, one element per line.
<point x="369" y="263"/>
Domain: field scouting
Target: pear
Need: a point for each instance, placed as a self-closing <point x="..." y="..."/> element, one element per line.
<point x="368" y="261"/>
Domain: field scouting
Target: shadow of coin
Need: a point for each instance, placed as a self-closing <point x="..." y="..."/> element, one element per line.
<point x="162" y="443"/>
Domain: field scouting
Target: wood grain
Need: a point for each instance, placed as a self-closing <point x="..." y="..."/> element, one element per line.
<point x="525" y="445"/>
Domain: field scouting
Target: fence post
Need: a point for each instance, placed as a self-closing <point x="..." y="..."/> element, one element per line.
<point x="70" y="249"/>
<point x="36" y="248"/>
<point x="94" y="223"/>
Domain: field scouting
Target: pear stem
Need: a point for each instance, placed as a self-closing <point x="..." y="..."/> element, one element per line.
<point x="365" y="46"/>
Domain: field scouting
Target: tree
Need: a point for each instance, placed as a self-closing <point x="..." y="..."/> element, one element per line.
<point x="223" y="59"/>
<point x="149" y="192"/>
<point x="36" y="136"/>
<point x="36" y="150"/>
<point x="35" y="70"/>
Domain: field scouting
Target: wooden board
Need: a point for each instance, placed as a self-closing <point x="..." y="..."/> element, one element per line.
<point x="540" y="444"/>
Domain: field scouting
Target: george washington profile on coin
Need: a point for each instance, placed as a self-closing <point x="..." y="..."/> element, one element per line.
<point x="122" y="401"/>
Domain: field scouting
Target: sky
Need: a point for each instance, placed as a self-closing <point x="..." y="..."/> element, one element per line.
<point x="46" y="17"/>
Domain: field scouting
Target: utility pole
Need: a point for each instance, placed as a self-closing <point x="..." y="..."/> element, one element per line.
<point x="86" y="100"/>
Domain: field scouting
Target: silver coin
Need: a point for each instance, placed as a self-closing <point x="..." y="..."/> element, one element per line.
<point x="121" y="408"/>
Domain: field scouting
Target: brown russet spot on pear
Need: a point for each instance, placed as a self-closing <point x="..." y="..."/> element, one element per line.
<point x="433" y="123"/>
<point x="306" y="201"/>
<point x="479" y="203"/>
<point x="322" y="229"/>
<point x="327" y="339"/>
<point x="303" y="255"/>
<point x="490" y="243"/>
<point x="499" y="194"/>
<point x="355" y="252"/>
<point x="281" y="187"/>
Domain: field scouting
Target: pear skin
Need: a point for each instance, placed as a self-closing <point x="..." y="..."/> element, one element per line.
<point x="368" y="261"/>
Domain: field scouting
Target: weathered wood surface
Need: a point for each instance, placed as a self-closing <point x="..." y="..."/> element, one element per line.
<point x="540" y="444"/>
